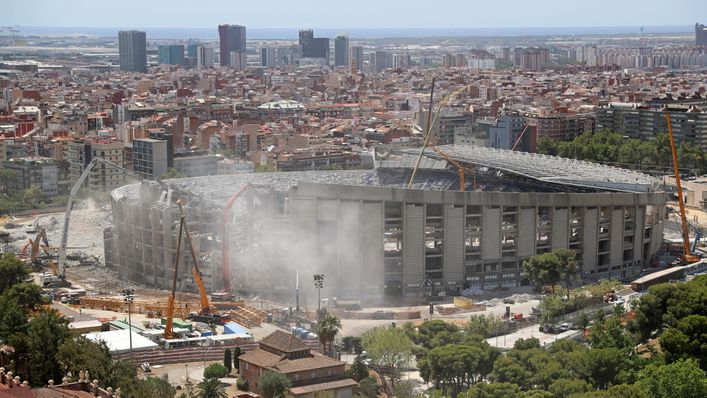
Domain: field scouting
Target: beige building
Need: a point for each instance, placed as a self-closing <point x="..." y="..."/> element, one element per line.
<point x="103" y="177"/>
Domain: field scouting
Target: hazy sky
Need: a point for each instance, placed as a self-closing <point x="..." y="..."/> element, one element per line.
<point x="352" y="13"/>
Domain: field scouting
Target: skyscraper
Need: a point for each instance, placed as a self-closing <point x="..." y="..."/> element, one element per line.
<point x="357" y="57"/>
<point x="231" y="39"/>
<point x="381" y="61"/>
<point x="132" y="48"/>
<point x="342" y="51"/>
<point x="320" y="48"/>
<point x="700" y="34"/>
<point x="204" y="56"/>
<point x="172" y="54"/>
<point x="305" y="41"/>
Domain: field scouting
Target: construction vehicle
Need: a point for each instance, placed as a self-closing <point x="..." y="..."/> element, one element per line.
<point x="204" y="314"/>
<point x="687" y="256"/>
<point x="61" y="265"/>
<point x="460" y="169"/>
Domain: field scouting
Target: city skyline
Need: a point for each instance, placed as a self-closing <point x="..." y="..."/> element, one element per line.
<point x="367" y="14"/>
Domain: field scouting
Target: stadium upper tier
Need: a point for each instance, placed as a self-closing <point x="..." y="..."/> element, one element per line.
<point x="548" y="169"/>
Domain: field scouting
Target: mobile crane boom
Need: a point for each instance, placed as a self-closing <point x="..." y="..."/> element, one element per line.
<point x="70" y="204"/>
<point x="169" y="326"/>
<point x="687" y="256"/>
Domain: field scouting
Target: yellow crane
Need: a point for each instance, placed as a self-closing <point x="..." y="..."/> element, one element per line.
<point x="460" y="169"/>
<point x="687" y="256"/>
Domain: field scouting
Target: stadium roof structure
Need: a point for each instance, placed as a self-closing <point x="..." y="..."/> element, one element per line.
<point x="545" y="168"/>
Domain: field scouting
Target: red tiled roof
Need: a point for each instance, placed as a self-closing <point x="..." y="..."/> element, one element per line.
<point x="330" y="385"/>
<point x="283" y="342"/>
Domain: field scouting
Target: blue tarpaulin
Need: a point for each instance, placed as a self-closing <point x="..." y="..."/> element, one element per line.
<point x="234" y="328"/>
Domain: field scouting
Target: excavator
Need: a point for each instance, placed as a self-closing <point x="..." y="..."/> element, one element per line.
<point x="687" y="256"/>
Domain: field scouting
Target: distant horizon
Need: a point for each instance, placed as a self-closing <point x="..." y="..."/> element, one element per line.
<point x="272" y="33"/>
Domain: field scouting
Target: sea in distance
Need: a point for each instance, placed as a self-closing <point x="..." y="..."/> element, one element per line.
<point x="356" y="33"/>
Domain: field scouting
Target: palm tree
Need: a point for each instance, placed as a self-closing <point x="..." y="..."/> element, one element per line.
<point x="212" y="388"/>
<point x="327" y="329"/>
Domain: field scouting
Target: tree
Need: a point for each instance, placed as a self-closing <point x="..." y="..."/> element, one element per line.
<point x="389" y="348"/>
<point x="404" y="389"/>
<point x="242" y="384"/>
<point x="121" y="375"/>
<point x="687" y="340"/>
<point x="45" y="333"/>
<point x="227" y="361"/>
<point x="359" y="370"/>
<point x="27" y="295"/>
<point x="682" y="379"/>
<point x="80" y="353"/>
<point x="603" y="365"/>
<point x="484" y="325"/>
<point x="273" y="384"/>
<point x="568" y="265"/>
<point x="327" y="329"/>
<point x="33" y="197"/>
<point x="13" y="318"/>
<point x="437" y="333"/>
<point x="171" y="173"/>
<point x="526" y="344"/>
<point x="368" y="387"/>
<point x="542" y="270"/>
<point x="563" y="388"/>
<point x="492" y="390"/>
<point x="12" y="271"/>
<point x="582" y="321"/>
<point x="215" y="371"/>
<point x="237" y="352"/>
<point x="454" y="367"/>
<point x="609" y="333"/>
<point x="211" y="388"/>
<point x="160" y="388"/>
<point x="507" y="370"/>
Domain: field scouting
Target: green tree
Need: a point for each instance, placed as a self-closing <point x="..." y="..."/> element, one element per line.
<point x="242" y="384"/>
<point x="454" y="367"/>
<point x="492" y="390"/>
<point x="526" y="344"/>
<point x="227" y="361"/>
<point x="121" y="375"/>
<point x="687" y="340"/>
<point x="563" y="388"/>
<point x="327" y="329"/>
<point x="171" y="174"/>
<point x="404" y="389"/>
<point x="211" y="388"/>
<point x="484" y="325"/>
<point x="437" y="333"/>
<point x="507" y="370"/>
<point x="359" y="370"/>
<point x="79" y="353"/>
<point x="161" y="388"/>
<point x="12" y="271"/>
<point x="13" y="318"/>
<point x="237" y="352"/>
<point x="609" y="333"/>
<point x="682" y="379"/>
<point x="215" y="371"/>
<point x="582" y="321"/>
<point x="368" y="387"/>
<point x="388" y="347"/>
<point x="273" y="384"/>
<point x="27" y="294"/>
<point x="603" y="365"/>
<point x="568" y="264"/>
<point x="542" y="270"/>
<point x="33" y="197"/>
<point x="45" y="334"/>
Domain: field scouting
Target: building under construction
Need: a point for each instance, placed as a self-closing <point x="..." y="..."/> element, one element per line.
<point x="371" y="235"/>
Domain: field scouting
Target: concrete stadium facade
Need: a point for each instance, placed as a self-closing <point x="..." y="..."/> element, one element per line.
<point x="373" y="237"/>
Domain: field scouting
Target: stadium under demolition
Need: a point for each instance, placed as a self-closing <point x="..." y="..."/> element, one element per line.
<point x="372" y="236"/>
